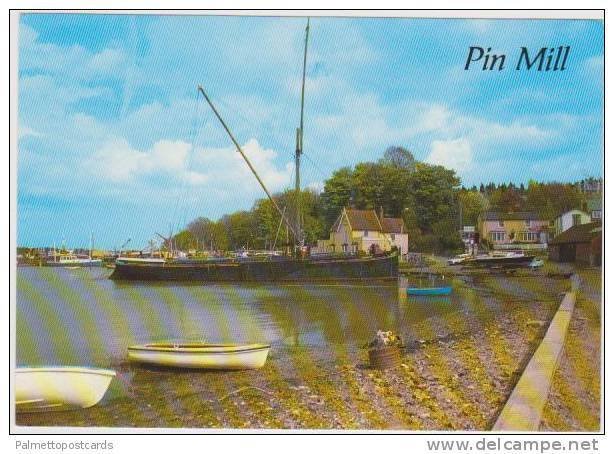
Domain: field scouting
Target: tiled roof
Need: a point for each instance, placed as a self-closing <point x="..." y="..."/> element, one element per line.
<point x="360" y="220"/>
<point x="519" y="215"/>
<point x="363" y="220"/>
<point x="393" y="225"/>
<point x="368" y="220"/>
<point x="582" y="233"/>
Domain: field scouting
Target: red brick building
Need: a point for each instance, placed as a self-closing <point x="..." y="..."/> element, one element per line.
<point x="579" y="244"/>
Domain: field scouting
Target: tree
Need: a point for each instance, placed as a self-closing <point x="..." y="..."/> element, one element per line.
<point x="399" y="157"/>
<point x="337" y="194"/>
<point x="208" y="234"/>
<point x="184" y="240"/>
<point x="241" y="229"/>
<point x="472" y="203"/>
<point x="433" y="189"/>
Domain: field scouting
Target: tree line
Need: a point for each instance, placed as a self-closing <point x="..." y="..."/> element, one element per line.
<point x="429" y="198"/>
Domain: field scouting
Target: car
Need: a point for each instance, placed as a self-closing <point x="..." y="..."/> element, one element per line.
<point x="536" y="263"/>
<point x="458" y="259"/>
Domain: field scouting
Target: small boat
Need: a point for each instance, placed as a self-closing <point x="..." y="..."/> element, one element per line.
<point x="501" y="260"/>
<point x="59" y="388"/>
<point x="201" y="355"/>
<point x="427" y="291"/>
<point x="435" y="285"/>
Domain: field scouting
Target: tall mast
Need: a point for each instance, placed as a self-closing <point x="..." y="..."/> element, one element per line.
<point x="249" y="164"/>
<point x="299" y="149"/>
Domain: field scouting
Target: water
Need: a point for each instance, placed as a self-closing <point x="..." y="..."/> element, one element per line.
<point x="80" y="317"/>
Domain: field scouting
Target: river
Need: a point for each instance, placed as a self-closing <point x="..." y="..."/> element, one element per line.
<point x="80" y="317"/>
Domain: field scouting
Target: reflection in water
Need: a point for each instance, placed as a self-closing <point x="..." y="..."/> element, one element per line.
<point x="81" y="317"/>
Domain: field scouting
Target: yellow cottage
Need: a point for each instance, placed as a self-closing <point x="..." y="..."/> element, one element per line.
<point x="363" y="230"/>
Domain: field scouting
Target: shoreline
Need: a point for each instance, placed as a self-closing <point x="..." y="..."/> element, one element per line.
<point x="457" y="371"/>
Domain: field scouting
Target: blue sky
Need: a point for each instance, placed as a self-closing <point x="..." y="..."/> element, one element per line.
<point x="114" y="140"/>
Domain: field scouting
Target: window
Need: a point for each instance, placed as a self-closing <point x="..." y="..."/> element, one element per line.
<point x="500" y="223"/>
<point x="528" y="236"/>
<point x="365" y="233"/>
<point x="497" y="236"/>
<point x="527" y="222"/>
<point x="577" y="219"/>
<point x="392" y="236"/>
<point x="596" y="214"/>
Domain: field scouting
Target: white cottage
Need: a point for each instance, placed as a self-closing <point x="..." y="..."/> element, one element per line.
<point x="569" y="219"/>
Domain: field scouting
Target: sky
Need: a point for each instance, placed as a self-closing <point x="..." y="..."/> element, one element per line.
<point x="114" y="140"/>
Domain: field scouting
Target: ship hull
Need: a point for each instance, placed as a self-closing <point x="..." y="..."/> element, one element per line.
<point x="283" y="269"/>
<point x="501" y="262"/>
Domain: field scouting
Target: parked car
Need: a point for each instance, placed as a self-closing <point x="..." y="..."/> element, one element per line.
<point x="458" y="259"/>
<point x="536" y="263"/>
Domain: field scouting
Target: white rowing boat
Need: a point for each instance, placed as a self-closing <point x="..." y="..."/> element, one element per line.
<point x="201" y="355"/>
<point x="59" y="388"/>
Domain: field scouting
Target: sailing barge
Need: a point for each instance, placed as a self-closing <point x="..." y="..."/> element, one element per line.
<point x="258" y="270"/>
<point x="294" y="268"/>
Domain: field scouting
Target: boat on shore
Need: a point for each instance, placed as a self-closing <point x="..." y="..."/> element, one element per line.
<point x="428" y="291"/>
<point x="201" y="355"/>
<point x="430" y="284"/>
<point x="500" y="260"/>
<point x="59" y="388"/>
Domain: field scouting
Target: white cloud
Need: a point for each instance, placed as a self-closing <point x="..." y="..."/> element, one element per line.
<point x="25" y="131"/>
<point x="211" y="169"/>
<point x="118" y="161"/>
<point x="456" y="154"/>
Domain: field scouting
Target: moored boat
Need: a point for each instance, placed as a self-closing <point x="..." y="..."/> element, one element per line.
<point x="272" y="269"/>
<point x="59" y="388"/>
<point x="201" y="355"/>
<point x="426" y="291"/>
<point x="296" y="266"/>
<point x="72" y="261"/>
<point x="500" y="260"/>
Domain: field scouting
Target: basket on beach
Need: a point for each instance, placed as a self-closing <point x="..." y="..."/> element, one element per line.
<point x="385" y="357"/>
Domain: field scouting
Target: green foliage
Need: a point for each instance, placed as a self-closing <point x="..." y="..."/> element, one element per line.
<point x="184" y="240"/>
<point x="209" y="234"/>
<point x="427" y="197"/>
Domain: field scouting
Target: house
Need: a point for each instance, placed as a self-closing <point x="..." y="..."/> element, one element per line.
<point x="593" y="207"/>
<point x="580" y="243"/>
<point x="523" y="230"/>
<point x="362" y="231"/>
<point x="567" y="220"/>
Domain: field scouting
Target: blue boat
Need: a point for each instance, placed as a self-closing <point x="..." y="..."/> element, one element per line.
<point x="426" y="291"/>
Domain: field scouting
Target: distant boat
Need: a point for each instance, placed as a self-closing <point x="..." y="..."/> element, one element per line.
<point x="201" y="355"/>
<point x="426" y="291"/>
<point x="59" y="388"/>
<point x="71" y="260"/>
